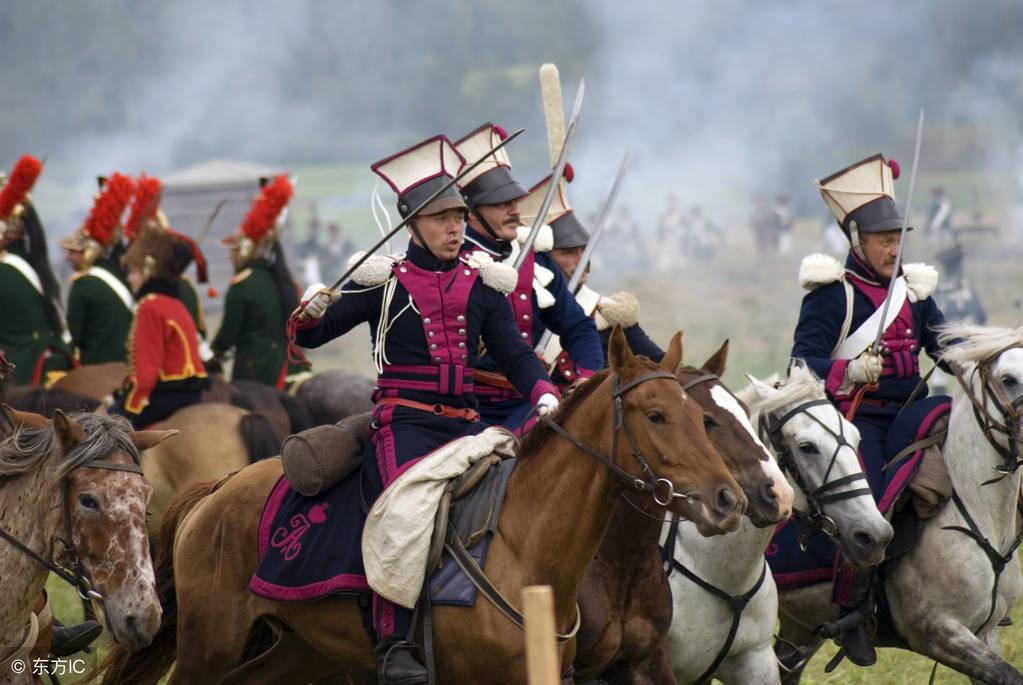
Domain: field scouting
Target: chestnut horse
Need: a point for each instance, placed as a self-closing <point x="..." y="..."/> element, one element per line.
<point x="558" y="504"/>
<point x="625" y="597"/>
<point x="72" y="493"/>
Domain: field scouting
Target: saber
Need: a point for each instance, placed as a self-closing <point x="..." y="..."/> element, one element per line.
<point x="584" y="261"/>
<point x="559" y="169"/>
<point x="209" y="222"/>
<point x="299" y="312"/>
<point x="902" y="235"/>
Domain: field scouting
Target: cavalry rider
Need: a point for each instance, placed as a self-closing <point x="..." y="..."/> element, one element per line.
<point x="32" y="330"/>
<point x="428" y="311"/>
<point x="166" y="372"/>
<point x="145" y="211"/>
<point x="838" y="323"/>
<point x="262" y="294"/>
<point x="570" y="240"/>
<point x="540" y="299"/>
<point x="100" y="305"/>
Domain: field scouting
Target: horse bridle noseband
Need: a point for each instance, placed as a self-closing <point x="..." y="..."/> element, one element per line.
<point x="650" y="482"/>
<point x="1011" y="411"/>
<point x="76" y="577"/>
<point x="816" y="498"/>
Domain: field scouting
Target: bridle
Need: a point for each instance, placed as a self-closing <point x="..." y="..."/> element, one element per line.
<point x="74" y="574"/>
<point x="650" y="481"/>
<point x="1010" y="411"/>
<point x="770" y="429"/>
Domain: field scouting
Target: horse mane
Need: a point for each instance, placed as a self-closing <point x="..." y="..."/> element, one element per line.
<point x="540" y="431"/>
<point x="27" y="448"/>
<point x="966" y="342"/>
<point x="802" y="385"/>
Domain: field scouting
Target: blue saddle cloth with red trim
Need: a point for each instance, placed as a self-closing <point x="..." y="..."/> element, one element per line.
<point x="311" y="547"/>
<point x="793" y="566"/>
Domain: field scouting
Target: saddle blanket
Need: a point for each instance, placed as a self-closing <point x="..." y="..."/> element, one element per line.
<point x="312" y="547"/>
<point x="790" y="565"/>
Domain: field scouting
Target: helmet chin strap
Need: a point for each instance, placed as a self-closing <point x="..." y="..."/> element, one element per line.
<point x="422" y="243"/>
<point x="473" y="207"/>
<point x="854" y="242"/>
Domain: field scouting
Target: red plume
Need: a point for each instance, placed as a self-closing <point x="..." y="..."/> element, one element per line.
<point x="147" y="201"/>
<point x="106" y="212"/>
<point x="896" y="169"/>
<point x="569" y="173"/>
<point x="262" y="216"/>
<point x="24" y="176"/>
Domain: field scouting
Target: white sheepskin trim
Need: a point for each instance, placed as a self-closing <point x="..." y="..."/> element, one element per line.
<point x="544" y="239"/>
<point x="620" y="309"/>
<point x="375" y="270"/>
<point x="542" y="275"/>
<point x="543" y="296"/>
<point x="921" y="280"/>
<point x="818" y="269"/>
<point x="498" y="276"/>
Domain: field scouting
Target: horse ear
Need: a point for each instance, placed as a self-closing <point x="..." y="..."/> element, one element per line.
<point x="68" y="431"/>
<point x="717" y="363"/>
<point x="619" y="354"/>
<point x="761" y="389"/>
<point x="24" y="418"/>
<point x="146" y="439"/>
<point x="673" y="357"/>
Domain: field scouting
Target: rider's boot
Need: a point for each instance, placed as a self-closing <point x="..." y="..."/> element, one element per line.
<point x="68" y="640"/>
<point x="398" y="664"/>
<point x="853" y="631"/>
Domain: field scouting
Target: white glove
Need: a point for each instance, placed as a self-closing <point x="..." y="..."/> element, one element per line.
<point x="317" y="298"/>
<point x="547" y="403"/>
<point x="866" y="368"/>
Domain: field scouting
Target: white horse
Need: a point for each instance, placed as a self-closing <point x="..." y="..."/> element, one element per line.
<point x="820" y="446"/>
<point x="948" y="595"/>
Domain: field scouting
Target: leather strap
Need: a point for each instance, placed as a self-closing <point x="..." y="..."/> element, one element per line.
<point x="444" y="410"/>
<point x="496" y="380"/>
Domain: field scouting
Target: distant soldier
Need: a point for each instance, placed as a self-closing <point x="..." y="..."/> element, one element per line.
<point x="939" y="214"/>
<point x="262" y="294"/>
<point x="32" y="330"/>
<point x="955" y="293"/>
<point x="100" y="305"/>
<point x="540" y="299"/>
<point x="783" y="224"/>
<point x="166" y="372"/>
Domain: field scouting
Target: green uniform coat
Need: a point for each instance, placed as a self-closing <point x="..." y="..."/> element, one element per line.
<point x="98" y="318"/>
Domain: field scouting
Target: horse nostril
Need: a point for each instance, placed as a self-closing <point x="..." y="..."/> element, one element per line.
<point x="863" y="540"/>
<point x="725" y="501"/>
<point x="768" y="494"/>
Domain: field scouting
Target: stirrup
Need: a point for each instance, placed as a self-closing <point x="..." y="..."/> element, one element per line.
<point x="797" y="657"/>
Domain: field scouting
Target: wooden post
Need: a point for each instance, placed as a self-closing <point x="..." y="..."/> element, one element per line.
<point x="541" y="646"/>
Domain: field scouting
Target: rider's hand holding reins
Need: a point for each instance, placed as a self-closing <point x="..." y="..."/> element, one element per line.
<point x="546" y="404"/>
<point x="865" y="369"/>
<point x="316" y="299"/>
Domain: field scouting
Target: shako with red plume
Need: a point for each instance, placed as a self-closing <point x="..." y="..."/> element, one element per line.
<point x="148" y="193"/>
<point x="258" y="230"/>
<point x="18" y="186"/>
<point x="101" y="226"/>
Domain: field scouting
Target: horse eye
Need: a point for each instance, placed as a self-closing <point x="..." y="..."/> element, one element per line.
<point x="1009" y="381"/>
<point x="709" y="422"/>
<point x="808" y="448"/>
<point x="88" y="501"/>
<point x="655" y="417"/>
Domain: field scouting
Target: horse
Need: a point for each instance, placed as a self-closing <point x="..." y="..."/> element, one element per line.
<point x="711" y="636"/>
<point x="333" y="395"/>
<point x="216" y="439"/>
<point x="73" y="501"/>
<point x="98" y="381"/>
<point x="625" y="598"/>
<point x="949" y="592"/>
<point x="558" y="504"/>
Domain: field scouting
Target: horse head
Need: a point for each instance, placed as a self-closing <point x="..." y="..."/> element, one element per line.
<point x="666" y="430"/>
<point x="726" y="420"/>
<point x="102" y="537"/>
<point x="816" y="448"/>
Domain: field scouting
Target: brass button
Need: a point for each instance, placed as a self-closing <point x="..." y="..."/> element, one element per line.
<point x="461" y="331"/>
<point x="523" y="334"/>
<point x="460" y="318"/>
<point x="436" y="359"/>
<point x="431" y="333"/>
<point x="462" y="345"/>
<point x="522" y="296"/>
<point x="426" y="320"/>
<point x="525" y="317"/>
<point x="433" y="346"/>
<point x="466" y="272"/>
<point x="403" y="270"/>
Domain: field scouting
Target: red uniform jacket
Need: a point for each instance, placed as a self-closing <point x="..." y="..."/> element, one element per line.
<point x="163" y="347"/>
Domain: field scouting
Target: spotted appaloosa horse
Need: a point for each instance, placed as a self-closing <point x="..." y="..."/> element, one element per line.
<point x="557" y="508"/>
<point x="71" y="491"/>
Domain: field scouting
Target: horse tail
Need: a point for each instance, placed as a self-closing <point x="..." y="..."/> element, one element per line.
<point x="297" y="411"/>
<point x="262" y="440"/>
<point x="147" y="666"/>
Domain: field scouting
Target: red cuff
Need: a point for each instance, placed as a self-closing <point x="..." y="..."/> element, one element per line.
<point x="835" y="379"/>
<point x="580" y="372"/>
<point x="542" y="388"/>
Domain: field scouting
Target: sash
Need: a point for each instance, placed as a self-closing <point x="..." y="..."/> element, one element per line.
<point x="588" y="299"/>
<point x="863" y="337"/>
<point x="24" y="268"/>
<point x="114" y="284"/>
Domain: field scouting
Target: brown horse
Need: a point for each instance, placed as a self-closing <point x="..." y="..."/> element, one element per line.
<point x="71" y="492"/>
<point x="557" y="508"/>
<point x="98" y="381"/>
<point x="625" y="598"/>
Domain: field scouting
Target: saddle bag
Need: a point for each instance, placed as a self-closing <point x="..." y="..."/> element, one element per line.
<point x="318" y="458"/>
